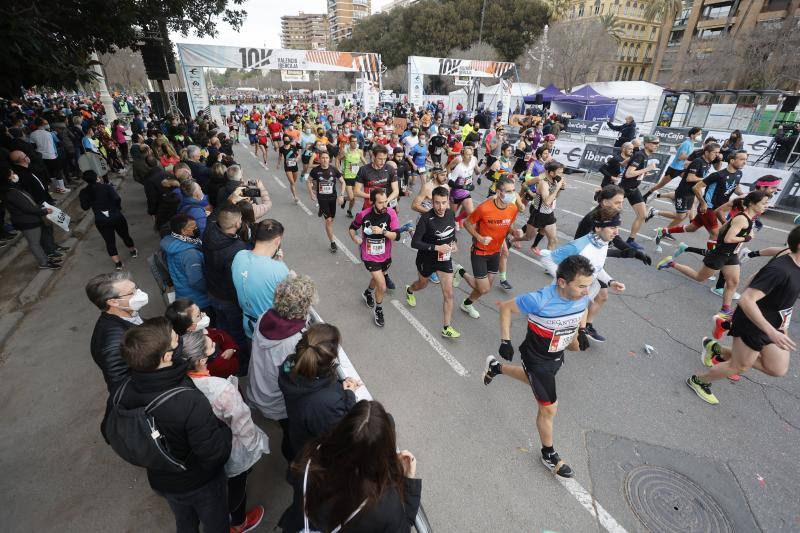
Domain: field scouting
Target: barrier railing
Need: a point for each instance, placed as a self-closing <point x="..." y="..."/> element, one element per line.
<point x="345" y="370"/>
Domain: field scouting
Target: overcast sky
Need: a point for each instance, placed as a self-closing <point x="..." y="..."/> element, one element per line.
<point x="262" y="27"/>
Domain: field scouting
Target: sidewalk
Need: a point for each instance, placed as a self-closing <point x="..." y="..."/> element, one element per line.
<point x="58" y="473"/>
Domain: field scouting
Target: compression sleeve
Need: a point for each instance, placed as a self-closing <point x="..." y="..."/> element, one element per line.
<point x="417" y="241"/>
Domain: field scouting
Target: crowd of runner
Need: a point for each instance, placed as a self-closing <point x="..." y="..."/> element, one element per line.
<point x="240" y="310"/>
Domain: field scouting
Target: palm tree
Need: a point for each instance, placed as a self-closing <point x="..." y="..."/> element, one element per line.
<point x="666" y="11"/>
<point x="613" y="26"/>
<point x="558" y="8"/>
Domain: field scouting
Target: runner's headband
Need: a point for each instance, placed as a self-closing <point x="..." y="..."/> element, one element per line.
<point x="768" y="182"/>
<point x="616" y="221"/>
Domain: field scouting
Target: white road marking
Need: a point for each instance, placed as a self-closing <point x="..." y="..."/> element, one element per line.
<point x="346" y="250"/>
<point x="597" y="511"/>
<point x="526" y="257"/>
<point x="304" y="208"/>
<point x="435" y="344"/>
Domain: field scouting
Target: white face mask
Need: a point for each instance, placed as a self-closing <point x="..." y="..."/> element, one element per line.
<point x="138" y="300"/>
<point x="14" y="178"/>
<point x="509" y="197"/>
<point x="204" y="322"/>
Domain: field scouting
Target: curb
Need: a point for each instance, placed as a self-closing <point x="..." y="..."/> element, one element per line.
<point x="34" y="288"/>
<point x="8" y="323"/>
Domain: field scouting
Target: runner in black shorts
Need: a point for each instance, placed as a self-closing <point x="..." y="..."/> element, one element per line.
<point x="554" y="315"/>
<point x="289" y="153"/>
<point x="324" y="178"/>
<point x="638" y="167"/>
<point x="435" y="240"/>
<point x="760" y="324"/>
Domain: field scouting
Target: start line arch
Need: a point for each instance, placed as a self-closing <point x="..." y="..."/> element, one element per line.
<point x="195" y="58"/>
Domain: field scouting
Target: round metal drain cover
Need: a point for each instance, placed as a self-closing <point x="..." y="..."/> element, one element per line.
<point x="666" y="501"/>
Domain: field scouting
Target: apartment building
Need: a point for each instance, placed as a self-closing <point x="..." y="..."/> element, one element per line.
<point x="305" y="31"/>
<point x="342" y="16"/>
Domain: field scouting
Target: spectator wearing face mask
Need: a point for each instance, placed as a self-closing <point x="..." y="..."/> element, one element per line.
<point x="185" y="317"/>
<point x="182" y="248"/>
<point x="194" y="203"/>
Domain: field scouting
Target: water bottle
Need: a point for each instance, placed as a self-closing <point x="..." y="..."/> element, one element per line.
<point x="407" y="233"/>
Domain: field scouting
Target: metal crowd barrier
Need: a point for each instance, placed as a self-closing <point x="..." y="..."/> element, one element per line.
<point x="346" y="369"/>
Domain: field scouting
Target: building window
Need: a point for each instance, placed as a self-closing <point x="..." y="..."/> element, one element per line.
<point x="709" y="33"/>
<point x="624" y="73"/>
<point x="652" y="33"/>
<point x="716" y="11"/>
<point x="598" y="8"/>
<point x="580" y="11"/>
<point x="675" y="38"/>
<point x="627" y="7"/>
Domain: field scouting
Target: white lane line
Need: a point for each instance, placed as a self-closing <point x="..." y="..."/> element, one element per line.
<point x="776" y="229"/>
<point x="590" y="504"/>
<point x="304" y="208"/>
<point x="280" y="181"/>
<point x="346" y="250"/>
<point x="435" y="344"/>
<point x="525" y="257"/>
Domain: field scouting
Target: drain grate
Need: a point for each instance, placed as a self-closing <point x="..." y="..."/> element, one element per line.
<point x="666" y="502"/>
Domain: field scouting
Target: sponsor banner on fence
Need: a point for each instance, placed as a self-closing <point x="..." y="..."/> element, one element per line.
<point x="784" y="197"/>
<point x="586" y="127"/>
<point x="568" y="153"/>
<point x="672" y="136"/>
<point x="595" y="155"/>
<point x="755" y="145"/>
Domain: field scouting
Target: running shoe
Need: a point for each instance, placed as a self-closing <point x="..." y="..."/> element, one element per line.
<point x="493" y="368"/>
<point x="54" y="255"/>
<point x="450" y="333"/>
<point x="411" y="300"/>
<point x="378" y="314"/>
<point x="593" y="334"/>
<point x="470" y="310"/>
<point x="665" y="263"/>
<point x="650" y="214"/>
<point x="721" y="325"/>
<point x="720" y="291"/>
<point x="389" y="283"/>
<point x="118" y="266"/>
<point x="134" y="253"/>
<point x="62" y="248"/>
<point x="633" y="244"/>
<point x="251" y="520"/>
<point x="506" y="285"/>
<point x="368" y="299"/>
<point x="710" y="348"/>
<point x="557" y="466"/>
<point x="681" y="248"/>
<point x="646" y="196"/>
<point x="743" y="257"/>
<point x="797" y="219"/>
<point x="703" y="390"/>
<point x="434" y="278"/>
<point x="457" y="276"/>
<point x="334" y="248"/>
<point x="50" y="265"/>
<point x="349" y="213"/>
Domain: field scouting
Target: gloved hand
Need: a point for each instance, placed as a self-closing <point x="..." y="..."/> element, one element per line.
<point x="405" y="227"/>
<point x="643" y="257"/>
<point x="628" y="253"/>
<point x="506" y="350"/>
<point x="583" y="339"/>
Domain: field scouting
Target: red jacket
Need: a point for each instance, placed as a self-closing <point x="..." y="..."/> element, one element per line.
<point x="219" y="367"/>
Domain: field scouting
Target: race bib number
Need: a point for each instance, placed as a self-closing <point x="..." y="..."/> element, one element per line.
<point x="443" y="256"/>
<point x="326" y="188"/>
<point x="354" y="168"/>
<point x="291" y="162"/>
<point x="786" y="318"/>
<point x="561" y="339"/>
<point x="252" y="132"/>
<point x="421" y="169"/>
<point x="376" y="247"/>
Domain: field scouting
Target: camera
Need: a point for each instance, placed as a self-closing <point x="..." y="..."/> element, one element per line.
<point x="251" y="192"/>
<point x="557" y="179"/>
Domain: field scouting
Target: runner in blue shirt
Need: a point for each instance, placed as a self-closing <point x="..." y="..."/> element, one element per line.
<point x="418" y="156"/>
<point x="679" y="162"/>
<point x="554" y="315"/>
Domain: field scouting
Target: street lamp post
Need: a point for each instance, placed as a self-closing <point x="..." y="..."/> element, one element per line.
<point x="544" y="53"/>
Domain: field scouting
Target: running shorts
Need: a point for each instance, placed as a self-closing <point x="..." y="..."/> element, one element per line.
<point x="634" y="196"/>
<point x="717" y="261"/>
<point x="673" y="172"/>
<point x="327" y="206"/>
<point x="706" y="220"/>
<point x="683" y="203"/>
<point x="374" y="266"/>
<point x="541" y="220"/>
<point x="427" y="264"/>
<point x="742" y="327"/>
<point x="541" y="372"/>
<point x="458" y="201"/>
<point x="305" y="158"/>
<point x="290" y="169"/>
<point x="483" y="265"/>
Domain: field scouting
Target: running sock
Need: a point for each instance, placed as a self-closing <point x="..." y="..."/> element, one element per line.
<point x="461" y="272"/>
<point x="676" y="229"/>
<point x="461" y="216"/>
<point x="467" y="301"/>
<point x="502" y="276"/>
<point x="754" y="253"/>
<point x="725" y="309"/>
<point x="537" y="240"/>
<point x="547" y="451"/>
<point x="695" y="250"/>
<point x="409" y="291"/>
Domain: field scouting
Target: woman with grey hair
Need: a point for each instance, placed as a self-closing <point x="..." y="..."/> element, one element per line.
<point x="274" y="338"/>
<point x="249" y="441"/>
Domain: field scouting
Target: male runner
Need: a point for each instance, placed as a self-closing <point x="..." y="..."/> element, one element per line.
<point x="418" y="159"/>
<point x="435" y="238"/>
<point x="423" y="201"/>
<point x="615" y="165"/>
<point x="438" y="147"/>
<point x="352" y="159"/>
<point x="678" y="163"/>
<point x="638" y="168"/>
<point x="402" y="169"/>
<point x="489" y="225"/>
<point x="760" y="324"/>
<point x="324" y="178"/>
<point x="379" y="227"/>
<point x="555" y="313"/>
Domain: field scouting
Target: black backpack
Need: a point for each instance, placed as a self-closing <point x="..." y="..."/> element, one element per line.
<point x="134" y="436"/>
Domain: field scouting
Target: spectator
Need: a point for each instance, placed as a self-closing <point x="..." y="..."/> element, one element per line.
<point x="200" y="171"/>
<point x="106" y="204"/>
<point x="194" y="203"/>
<point x="154" y="187"/>
<point x="194" y="435"/>
<point x="27" y="217"/>
<point x="355" y="469"/>
<point x="627" y="131"/>
<point x="315" y="399"/>
<point x="118" y="136"/>
<point x="276" y="337"/>
<point x="249" y="442"/>
<point x="215" y="183"/>
<point x="257" y="272"/>
<point x="185" y="317"/>
<point x="137" y="125"/>
<point x="30" y="182"/>
<point x="89" y="143"/>
<point x="119" y="301"/>
<point x="166" y="153"/>
<point x="234" y="181"/>
<point x="139" y="154"/>
<point x="45" y="144"/>
<point x="182" y="248"/>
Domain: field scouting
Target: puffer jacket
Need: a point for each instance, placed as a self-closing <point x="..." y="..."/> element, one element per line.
<point x="185" y="263"/>
<point x="106" y="339"/>
<point x="196" y="209"/>
<point x="219" y="250"/>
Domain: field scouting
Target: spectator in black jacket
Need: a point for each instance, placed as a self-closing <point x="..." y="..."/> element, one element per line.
<point x="33" y="183"/>
<point x="119" y="300"/>
<point x="194" y="435"/>
<point x="200" y="171"/>
<point x="221" y="242"/>
<point x="627" y="131"/>
<point x="356" y="477"/>
<point x="315" y="399"/>
<point x="106" y="205"/>
<point x="154" y="184"/>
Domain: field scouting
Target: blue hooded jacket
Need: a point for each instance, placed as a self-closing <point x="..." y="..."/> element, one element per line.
<point x="185" y="263"/>
<point x="195" y="209"/>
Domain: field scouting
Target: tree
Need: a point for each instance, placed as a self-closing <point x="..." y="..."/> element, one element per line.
<point x="581" y="51"/>
<point x="49" y="42"/>
<point x="124" y="70"/>
<point x="613" y="26"/>
<point x="665" y="11"/>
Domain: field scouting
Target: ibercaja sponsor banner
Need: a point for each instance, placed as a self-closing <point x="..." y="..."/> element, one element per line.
<point x="595" y="155"/>
<point x="673" y="136"/>
<point x="585" y="127"/>
<point x="568" y="153"/>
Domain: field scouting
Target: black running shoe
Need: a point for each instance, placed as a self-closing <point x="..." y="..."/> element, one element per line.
<point x="557" y="466"/>
<point x="349" y="214"/>
<point x="50" y="266"/>
<point x="493" y="368"/>
<point x="506" y="285"/>
<point x="389" y="282"/>
<point x="378" y="313"/>
<point x="593" y="334"/>
<point x="333" y="247"/>
<point x="368" y="299"/>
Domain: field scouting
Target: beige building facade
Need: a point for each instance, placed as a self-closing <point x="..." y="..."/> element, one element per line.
<point x="342" y="16"/>
<point x="305" y="31"/>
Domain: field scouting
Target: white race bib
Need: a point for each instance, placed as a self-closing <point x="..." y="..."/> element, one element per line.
<point x="376" y="247"/>
<point x="326" y="188"/>
<point x="354" y="168"/>
<point x="561" y="339"/>
<point x="443" y="256"/>
<point x="421" y="169"/>
<point x="252" y="132"/>
<point x="291" y="162"/>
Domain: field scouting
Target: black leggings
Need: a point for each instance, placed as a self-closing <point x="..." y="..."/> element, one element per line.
<point x="116" y="225"/>
<point x="237" y="498"/>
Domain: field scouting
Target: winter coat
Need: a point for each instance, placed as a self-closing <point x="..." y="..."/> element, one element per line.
<point x="24" y="211"/>
<point x="313" y="405"/>
<point x="200" y="173"/>
<point x="105" y="343"/>
<point x="274" y="340"/>
<point x="154" y="190"/>
<point x="249" y="441"/>
<point x="185" y="263"/>
<point x="196" y="209"/>
<point x="194" y="434"/>
<point x="219" y="250"/>
<point x="103" y="200"/>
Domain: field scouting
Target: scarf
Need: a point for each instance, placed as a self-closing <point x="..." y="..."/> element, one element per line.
<point x="190" y="240"/>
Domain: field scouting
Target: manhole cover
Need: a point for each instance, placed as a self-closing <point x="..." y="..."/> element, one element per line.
<point x="665" y="501"/>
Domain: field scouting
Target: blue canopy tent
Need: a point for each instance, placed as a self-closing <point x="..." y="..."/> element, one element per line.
<point x="547" y="94"/>
<point x="586" y="104"/>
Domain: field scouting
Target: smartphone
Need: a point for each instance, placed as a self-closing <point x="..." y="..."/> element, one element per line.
<point x="251" y="192"/>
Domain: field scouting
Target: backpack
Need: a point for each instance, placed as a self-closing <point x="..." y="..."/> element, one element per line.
<point x="133" y="434"/>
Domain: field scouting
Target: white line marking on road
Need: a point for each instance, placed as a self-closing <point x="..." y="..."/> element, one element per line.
<point x="346" y="250"/>
<point x="525" y="257"/>
<point x="435" y="344"/>
<point x="776" y="229"/>
<point x="590" y="504"/>
<point x="304" y="208"/>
